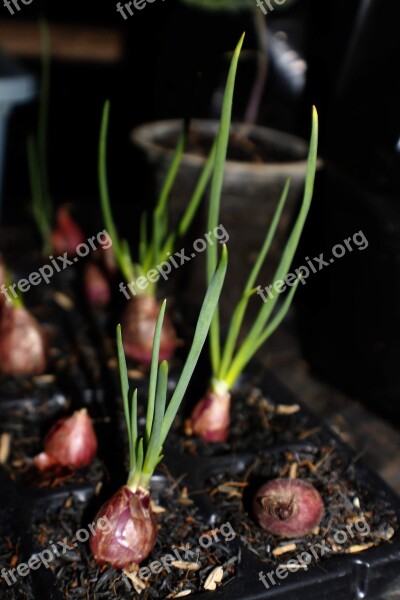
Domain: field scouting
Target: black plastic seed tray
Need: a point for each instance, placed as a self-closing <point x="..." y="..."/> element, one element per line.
<point x="366" y="570"/>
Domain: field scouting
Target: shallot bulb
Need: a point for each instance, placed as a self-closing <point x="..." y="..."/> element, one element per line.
<point x="109" y="260"/>
<point x="131" y="533"/>
<point x="210" y="418"/>
<point x="71" y="442"/>
<point x="96" y="286"/>
<point x="23" y="347"/>
<point x="289" y="508"/>
<point x="139" y="323"/>
<point x="67" y="236"/>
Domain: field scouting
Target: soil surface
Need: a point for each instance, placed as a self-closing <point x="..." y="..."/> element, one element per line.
<point x="181" y="528"/>
<point x="354" y="518"/>
<point x="241" y="148"/>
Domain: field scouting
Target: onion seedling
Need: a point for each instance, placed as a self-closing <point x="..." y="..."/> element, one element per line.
<point x="133" y="530"/>
<point x="95" y="285"/>
<point x="139" y="318"/>
<point x="23" y="345"/>
<point x="211" y="416"/>
<point x="71" y="442"/>
<point x="66" y="235"/>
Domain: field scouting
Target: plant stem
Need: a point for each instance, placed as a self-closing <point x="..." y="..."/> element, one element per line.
<point x="240" y="311"/>
<point x="215" y="196"/>
<point x="259" y="330"/>
<point x="44" y="116"/>
<point x="121" y="249"/>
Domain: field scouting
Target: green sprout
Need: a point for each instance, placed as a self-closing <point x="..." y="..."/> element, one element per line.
<point x="153" y="250"/>
<point x="229" y="362"/>
<point x="42" y="207"/>
<point x="145" y="452"/>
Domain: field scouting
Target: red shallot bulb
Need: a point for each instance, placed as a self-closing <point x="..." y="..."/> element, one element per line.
<point x="71" y="442"/>
<point x="109" y="260"/>
<point x="23" y="347"/>
<point x="131" y="532"/>
<point x="288" y="508"/>
<point x="210" y="418"/>
<point x="67" y="235"/>
<point x="96" y="286"/>
<point x="139" y="323"/>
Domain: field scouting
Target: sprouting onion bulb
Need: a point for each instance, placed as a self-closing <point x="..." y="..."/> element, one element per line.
<point x="210" y="417"/>
<point x="96" y="286"/>
<point x="67" y="235"/>
<point x="71" y="442"/>
<point x="208" y="422"/>
<point x="133" y="533"/>
<point x="23" y="345"/>
<point x="152" y="250"/>
<point x="139" y="322"/>
<point x="289" y="508"/>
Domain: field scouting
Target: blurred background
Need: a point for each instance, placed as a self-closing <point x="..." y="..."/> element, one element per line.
<point x="340" y="350"/>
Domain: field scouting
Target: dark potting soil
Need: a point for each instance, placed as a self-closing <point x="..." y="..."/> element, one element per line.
<point x="180" y="525"/>
<point x="10" y="556"/>
<point x="258" y="421"/>
<point x="241" y="148"/>
<point x="355" y="517"/>
<point x="22" y="472"/>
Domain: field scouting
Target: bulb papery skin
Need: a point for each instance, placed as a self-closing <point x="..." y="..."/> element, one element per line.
<point x="96" y="286"/>
<point x="67" y="235"/>
<point x="125" y="529"/>
<point x="210" y="418"/>
<point x="138" y="325"/>
<point x="288" y="508"/>
<point x="71" y="442"/>
<point x="23" y="346"/>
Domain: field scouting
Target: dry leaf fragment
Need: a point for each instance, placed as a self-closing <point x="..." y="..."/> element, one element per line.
<point x="323" y="459"/>
<point x="231" y="492"/>
<point x="156" y="508"/>
<point x="137" y="582"/>
<point x="359" y="548"/>
<point x="63" y="301"/>
<point x="214" y="578"/>
<point x="287" y="410"/>
<point x="186" y="566"/>
<point x="307" y="433"/>
<point x="283" y="549"/>
<point x="180" y="594"/>
<point x="42" y="379"/>
<point x="279" y="409"/>
<point x="293" y="471"/>
<point x="184" y="497"/>
<point x="5" y="443"/>
<point x="135" y="374"/>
